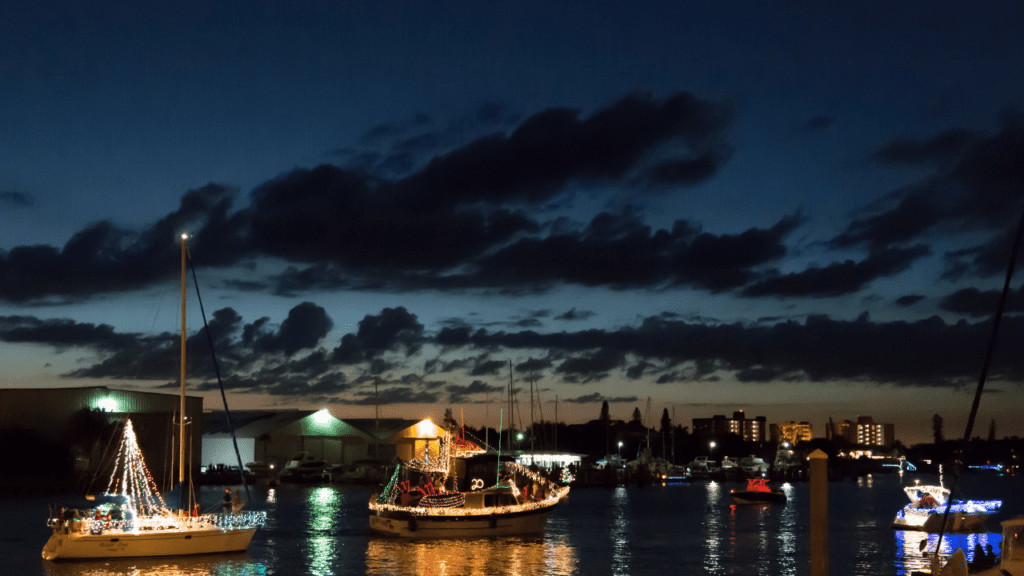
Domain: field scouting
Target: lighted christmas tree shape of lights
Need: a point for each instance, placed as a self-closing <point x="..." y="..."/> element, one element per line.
<point x="135" y="482"/>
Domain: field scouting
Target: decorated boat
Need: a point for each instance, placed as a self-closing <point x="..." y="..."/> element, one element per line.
<point x="758" y="492"/>
<point x="462" y="492"/>
<point x="928" y="506"/>
<point x="132" y="518"/>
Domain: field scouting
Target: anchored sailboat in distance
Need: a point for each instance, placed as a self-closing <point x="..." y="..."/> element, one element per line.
<point x="133" y="520"/>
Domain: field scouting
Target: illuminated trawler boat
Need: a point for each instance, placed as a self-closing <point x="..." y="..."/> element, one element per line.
<point x="463" y="492"/>
<point x="132" y="519"/>
<point x="928" y="505"/>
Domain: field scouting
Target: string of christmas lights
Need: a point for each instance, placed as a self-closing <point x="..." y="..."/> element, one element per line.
<point x="136" y="482"/>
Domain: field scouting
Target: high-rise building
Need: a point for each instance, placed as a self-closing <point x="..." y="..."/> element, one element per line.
<point x="865" y="431"/>
<point x="749" y="429"/>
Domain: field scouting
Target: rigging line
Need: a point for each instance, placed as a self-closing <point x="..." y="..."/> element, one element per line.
<point x="220" y="383"/>
<point x="984" y="373"/>
<point x="103" y="456"/>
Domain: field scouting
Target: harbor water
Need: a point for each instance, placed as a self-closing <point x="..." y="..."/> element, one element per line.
<point x="686" y="528"/>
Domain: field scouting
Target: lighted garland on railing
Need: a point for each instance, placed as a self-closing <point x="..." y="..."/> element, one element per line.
<point x="553" y="497"/>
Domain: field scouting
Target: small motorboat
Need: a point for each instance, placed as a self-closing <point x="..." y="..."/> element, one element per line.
<point x="758" y="492"/>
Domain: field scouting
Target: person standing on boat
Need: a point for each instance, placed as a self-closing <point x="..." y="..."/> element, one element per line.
<point x="227" y="500"/>
<point x="236" y="502"/>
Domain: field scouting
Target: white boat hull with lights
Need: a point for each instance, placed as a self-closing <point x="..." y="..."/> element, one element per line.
<point x="928" y="507"/>
<point x="173" y="541"/>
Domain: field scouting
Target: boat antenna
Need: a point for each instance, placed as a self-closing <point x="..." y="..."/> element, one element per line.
<point x="216" y="370"/>
<point x="984" y="373"/>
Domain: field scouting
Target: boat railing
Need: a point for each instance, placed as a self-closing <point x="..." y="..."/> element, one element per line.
<point x="161" y="522"/>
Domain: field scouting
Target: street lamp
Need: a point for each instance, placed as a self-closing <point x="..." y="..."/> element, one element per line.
<point x="620" y="452"/>
<point x="712" y="449"/>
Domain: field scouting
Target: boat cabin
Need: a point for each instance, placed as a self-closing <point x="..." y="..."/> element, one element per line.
<point x="495" y="496"/>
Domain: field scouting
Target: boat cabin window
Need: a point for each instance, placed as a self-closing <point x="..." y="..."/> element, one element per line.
<point x="502" y="499"/>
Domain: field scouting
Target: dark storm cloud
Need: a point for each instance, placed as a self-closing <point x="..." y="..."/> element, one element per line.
<point x="346" y="230"/>
<point x="12" y="199"/>
<point x="838" y="278"/>
<point x="908" y="300"/>
<point x="458" y="394"/>
<point x="554" y="147"/>
<point x="104" y="258"/>
<point x="974" y="302"/>
<point x="686" y="170"/>
<point x="575" y="314"/>
<point x="641" y="258"/>
<point x="396" y="395"/>
<point x="396" y="149"/>
<point x="449" y="212"/>
<point x="487" y="368"/>
<point x="924" y="353"/>
<point x="61" y="334"/>
<point x="595" y="397"/>
<point x="240" y="349"/>
<point x="590" y="367"/>
<point x="977" y="187"/>
<point x="395" y="329"/>
<point x="305" y="325"/>
<point x="945" y="147"/>
<point x="928" y="352"/>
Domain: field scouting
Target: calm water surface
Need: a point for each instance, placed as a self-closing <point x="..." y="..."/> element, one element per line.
<point x="679" y="529"/>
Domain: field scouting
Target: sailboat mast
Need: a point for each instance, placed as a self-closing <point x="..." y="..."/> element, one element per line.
<point x="181" y="414"/>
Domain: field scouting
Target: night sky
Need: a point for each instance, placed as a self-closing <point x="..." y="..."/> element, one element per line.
<point x="800" y="212"/>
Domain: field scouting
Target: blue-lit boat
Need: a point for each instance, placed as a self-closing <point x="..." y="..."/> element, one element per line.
<point x="928" y="506"/>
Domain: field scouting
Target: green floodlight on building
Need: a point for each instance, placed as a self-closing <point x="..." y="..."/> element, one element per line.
<point x="519" y="436"/>
<point x="106" y="404"/>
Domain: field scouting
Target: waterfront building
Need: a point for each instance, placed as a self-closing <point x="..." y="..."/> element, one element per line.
<point x="50" y="414"/>
<point x="276" y="436"/>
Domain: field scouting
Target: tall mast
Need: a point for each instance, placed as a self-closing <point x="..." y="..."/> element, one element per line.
<point x="181" y="415"/>
<point x="531" y="412"/>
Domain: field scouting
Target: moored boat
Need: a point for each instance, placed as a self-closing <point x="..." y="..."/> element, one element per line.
<point x="134" y="520"/>
<point x="928" y="506"/>
<point x="451" y="498"/>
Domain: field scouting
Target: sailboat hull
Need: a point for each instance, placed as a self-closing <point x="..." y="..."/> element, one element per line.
<point x="115" y="544"/>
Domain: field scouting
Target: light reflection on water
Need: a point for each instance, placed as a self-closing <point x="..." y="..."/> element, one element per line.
<point x="684" y="529"/>
<point x="483" y="557"/>
<point x="323" y="510"/>
<point x="209" y="565"/>
<point x="714" y="531"/>
<point x="909" y="556"/>
<point x="620" y="531"/>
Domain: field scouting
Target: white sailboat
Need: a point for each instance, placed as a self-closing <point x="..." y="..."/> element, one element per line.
<point x="135" y="520"/>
